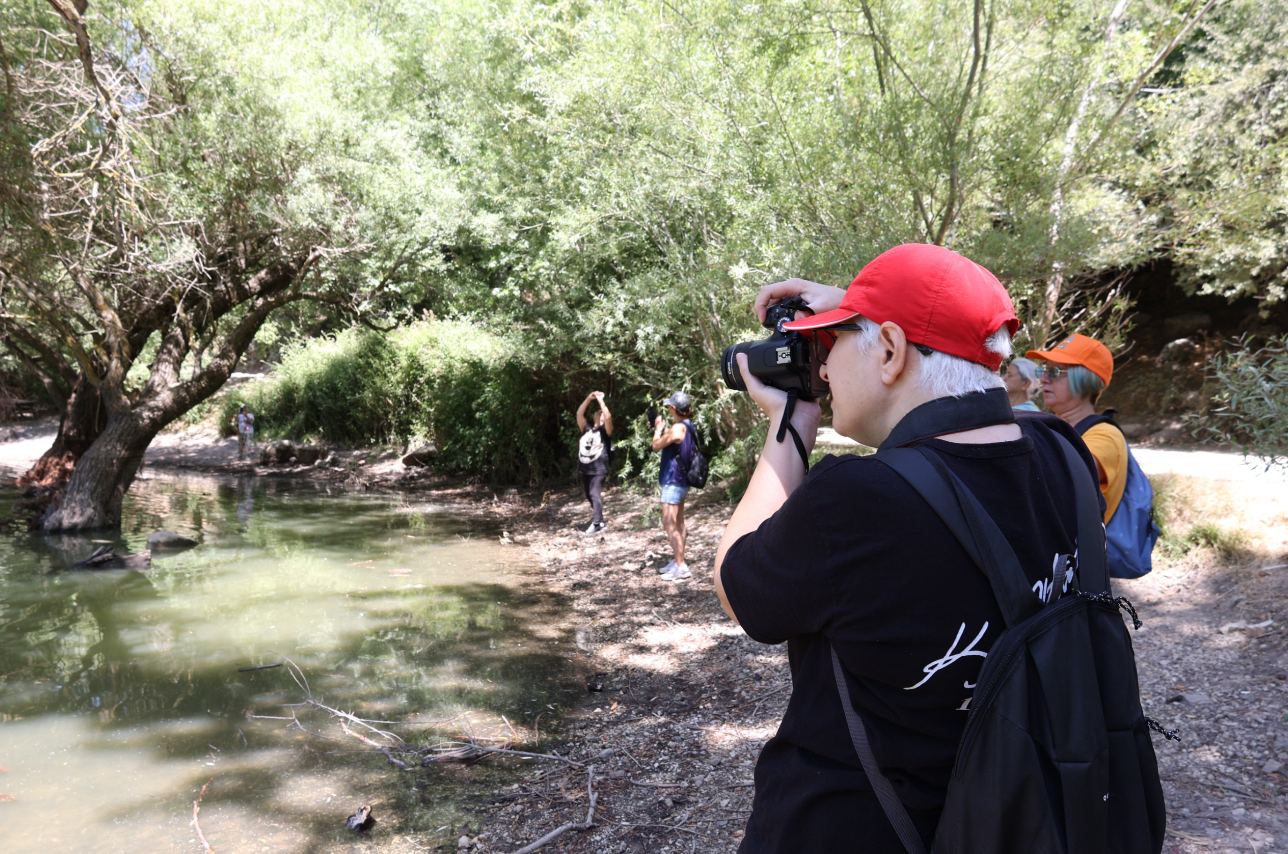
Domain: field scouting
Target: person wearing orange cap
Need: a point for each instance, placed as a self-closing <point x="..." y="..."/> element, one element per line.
<point x="1073" y="375"/>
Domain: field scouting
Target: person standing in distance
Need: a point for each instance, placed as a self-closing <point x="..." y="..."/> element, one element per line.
<point x="676" y="442"/>
<point x="594" y="454"/>
<point x="245" y="424"/>
<point x="1022" y="384"/>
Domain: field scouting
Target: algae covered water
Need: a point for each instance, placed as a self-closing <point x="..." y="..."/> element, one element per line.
<point x="121" y="692"/>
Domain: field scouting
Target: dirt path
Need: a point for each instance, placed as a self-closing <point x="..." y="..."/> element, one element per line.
<point x="198" y="448"/>
<point x="679" y="700"/>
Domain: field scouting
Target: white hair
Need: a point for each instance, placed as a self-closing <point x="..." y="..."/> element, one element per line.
<point x="1029" y="373"/>
<point x="942" y="375"/>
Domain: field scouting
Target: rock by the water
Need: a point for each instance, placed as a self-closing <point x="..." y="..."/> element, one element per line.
<point x="362" y="820"/>
<point x="159" y="541"/>
<point x="307" y="455"/>
<point x="422" y="456"/>
<point x="105" y="557"/>
<point x="278" y="454"/>
<point x="1135" y="431"/>
<point x="1180" y="350"/>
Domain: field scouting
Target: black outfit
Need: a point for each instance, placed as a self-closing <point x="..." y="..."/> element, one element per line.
<point x="594" y="452"/>
<point x="856" y="556"/>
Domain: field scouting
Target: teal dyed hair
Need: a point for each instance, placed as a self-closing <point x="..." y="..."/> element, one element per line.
<point x="1083" y="383"/>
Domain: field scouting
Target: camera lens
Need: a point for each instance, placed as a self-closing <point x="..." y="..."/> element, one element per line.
<point x="729" y="365"/>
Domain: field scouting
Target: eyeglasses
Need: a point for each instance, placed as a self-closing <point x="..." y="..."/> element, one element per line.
<point x="1054" y="372"/>
<point x="827" y="340"/>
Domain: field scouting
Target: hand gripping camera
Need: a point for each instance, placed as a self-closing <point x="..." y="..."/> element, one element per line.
<point x="785" y="360"/>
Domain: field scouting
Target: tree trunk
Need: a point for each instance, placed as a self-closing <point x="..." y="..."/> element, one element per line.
<point x="1045" y="321"/>
<point x="102" y="476"/>
<point x="84" y="417"/>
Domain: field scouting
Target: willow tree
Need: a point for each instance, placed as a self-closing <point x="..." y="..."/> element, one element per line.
<point x="165" y="196"/>
<point x="646" y="168"/>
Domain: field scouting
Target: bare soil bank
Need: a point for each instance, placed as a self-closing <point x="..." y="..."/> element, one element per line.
<point x="679" y="701"/>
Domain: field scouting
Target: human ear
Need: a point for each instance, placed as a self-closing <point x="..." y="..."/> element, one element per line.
<point x="892" y="346"/>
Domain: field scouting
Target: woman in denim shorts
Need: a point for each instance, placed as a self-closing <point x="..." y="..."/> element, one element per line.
<point x="676" y="443"/>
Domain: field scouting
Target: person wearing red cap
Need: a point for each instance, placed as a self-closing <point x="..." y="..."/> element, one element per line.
<point x="1073" y="374"/>
<point x="849" y="557"/>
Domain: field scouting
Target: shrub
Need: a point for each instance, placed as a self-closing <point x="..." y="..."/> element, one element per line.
<point x="482" y="398"/>
<point x="1250" y="400"/>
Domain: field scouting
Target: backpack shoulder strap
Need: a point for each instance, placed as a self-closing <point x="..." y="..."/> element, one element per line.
<point x="970" y="523"/>
<point x="1092" y="420"/>
<point x="890" y="803"/>
<point x="1093" y="572"/>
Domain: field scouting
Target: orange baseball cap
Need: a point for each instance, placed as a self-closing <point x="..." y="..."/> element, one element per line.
<point x="1080" y="350"/>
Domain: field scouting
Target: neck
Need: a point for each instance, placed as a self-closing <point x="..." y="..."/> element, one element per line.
<point x="1016" y="397"/>
<point x="1075" y="412"/>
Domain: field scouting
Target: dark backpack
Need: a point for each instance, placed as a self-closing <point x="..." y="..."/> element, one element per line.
<point x="695" y="467"/>
<point x="1056" y="755"/>
<point x="1131" y="531"/>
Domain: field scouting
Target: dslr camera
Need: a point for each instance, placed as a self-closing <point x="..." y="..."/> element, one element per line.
<point x="785" y="360"/>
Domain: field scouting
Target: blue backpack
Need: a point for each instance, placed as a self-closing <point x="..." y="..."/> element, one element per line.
<point x="1131" y="532"/>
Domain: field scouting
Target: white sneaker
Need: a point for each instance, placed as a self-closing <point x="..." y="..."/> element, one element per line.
<point x="666" y="569"/>
<point x="680" y="573"/>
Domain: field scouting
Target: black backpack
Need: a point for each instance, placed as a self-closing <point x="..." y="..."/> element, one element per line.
<point x="695" y="470"/>
<point x="1056" y="755"/>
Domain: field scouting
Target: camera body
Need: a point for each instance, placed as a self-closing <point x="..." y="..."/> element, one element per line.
<point x="785" y="360"/>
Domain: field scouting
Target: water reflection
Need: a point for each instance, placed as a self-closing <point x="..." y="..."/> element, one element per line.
<point x="391" y="607"/>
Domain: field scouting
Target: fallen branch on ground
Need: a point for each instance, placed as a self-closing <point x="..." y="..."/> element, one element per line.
<point x="560" y="831"/>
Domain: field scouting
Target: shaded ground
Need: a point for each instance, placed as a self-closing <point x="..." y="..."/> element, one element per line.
<point x="679" y="701"/>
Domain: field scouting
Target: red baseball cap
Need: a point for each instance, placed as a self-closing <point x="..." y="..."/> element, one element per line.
<point x="939" y="298"/>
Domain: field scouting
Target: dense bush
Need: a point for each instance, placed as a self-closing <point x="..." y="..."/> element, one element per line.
<point x="488" y="403"/>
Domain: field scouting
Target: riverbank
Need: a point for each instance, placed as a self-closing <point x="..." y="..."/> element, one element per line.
<point x="678" y="701"/>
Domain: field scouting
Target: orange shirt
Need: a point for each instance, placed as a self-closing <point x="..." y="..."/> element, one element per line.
<point x="1107" y="445"/>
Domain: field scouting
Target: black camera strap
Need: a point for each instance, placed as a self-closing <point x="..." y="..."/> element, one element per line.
<point x="785" y="426"/>
<point x="950" y="415"/>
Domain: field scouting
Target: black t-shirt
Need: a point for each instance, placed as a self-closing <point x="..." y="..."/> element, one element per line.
<point x="593" y="450"/>
<point x="856" y="556"/>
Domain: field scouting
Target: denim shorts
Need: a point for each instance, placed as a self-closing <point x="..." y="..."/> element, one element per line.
<point x="673" y="493"/>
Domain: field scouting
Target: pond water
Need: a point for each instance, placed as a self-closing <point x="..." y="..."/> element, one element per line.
<point x="121" y="695"/>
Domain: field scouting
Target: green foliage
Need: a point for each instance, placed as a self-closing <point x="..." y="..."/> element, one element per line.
<point x="590" y="195"/>
<point x="485" y="400"/>
<point x="1249" y="400"/>
<point x="1216" y="171"/>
